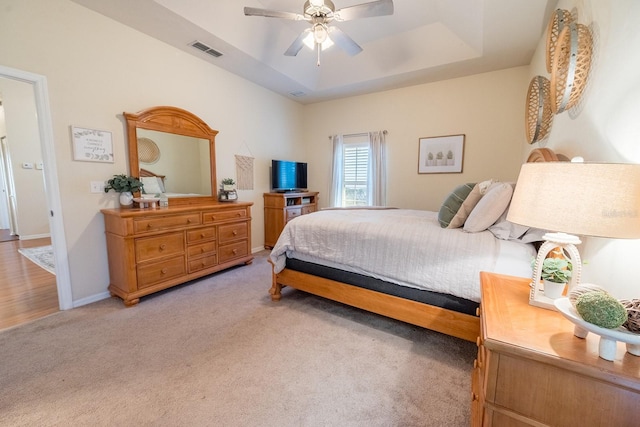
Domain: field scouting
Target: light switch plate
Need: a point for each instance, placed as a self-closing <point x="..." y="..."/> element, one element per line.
<point x="97" y="187"/>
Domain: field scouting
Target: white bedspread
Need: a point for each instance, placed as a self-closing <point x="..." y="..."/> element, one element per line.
<point x="406" y="247"/>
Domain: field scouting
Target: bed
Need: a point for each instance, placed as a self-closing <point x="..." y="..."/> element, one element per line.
<point x="419" y="267"/>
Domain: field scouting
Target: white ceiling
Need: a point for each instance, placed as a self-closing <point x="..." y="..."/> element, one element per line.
<point x="423" y="41"/>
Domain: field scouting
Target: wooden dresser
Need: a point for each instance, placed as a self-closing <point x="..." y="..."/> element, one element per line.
<point x="532" y="371"/>
<point x="154" y="249"/>
<point x="280" y="208"/>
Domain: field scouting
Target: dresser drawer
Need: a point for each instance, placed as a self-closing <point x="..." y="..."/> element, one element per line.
<point x="143" y="225"/>
<point x="149" y="248"/>
<point x="202" y="263"/>
<point x="308" y="209"/>
<point x="232" y="251"/>
<point x="231" y="232"/>
<point x="157" y="272"/>
<point x="293" y="213"/>
<point x="209" y="217"/>
<point x="201" y="234"/>
<point x="207" y="248"/>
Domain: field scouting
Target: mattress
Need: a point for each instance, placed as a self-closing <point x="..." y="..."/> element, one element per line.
<point x="403" y="247"/>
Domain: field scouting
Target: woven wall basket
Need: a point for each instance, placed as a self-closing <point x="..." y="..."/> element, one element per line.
<point x="148" y="151"/>
<point x="560" y="19"/>
<point x="570" y="67"/>
<point x="538" y="114"/>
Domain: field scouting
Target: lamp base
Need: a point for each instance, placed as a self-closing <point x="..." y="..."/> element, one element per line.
<point x="566" y="243"/>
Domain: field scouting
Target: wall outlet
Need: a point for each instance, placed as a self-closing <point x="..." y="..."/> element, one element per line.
<point x="27" y="165"/>
<point x="39" y="165"/>
<point x="97" y="187"/>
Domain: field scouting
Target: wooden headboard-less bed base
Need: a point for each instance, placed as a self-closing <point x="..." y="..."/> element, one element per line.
<point x="439" y="319"/>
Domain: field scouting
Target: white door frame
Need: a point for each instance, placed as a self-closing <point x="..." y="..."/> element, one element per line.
<point x="52" y="189"/>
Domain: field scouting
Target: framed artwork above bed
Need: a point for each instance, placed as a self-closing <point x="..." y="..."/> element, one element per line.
<point x="441" y="154"/>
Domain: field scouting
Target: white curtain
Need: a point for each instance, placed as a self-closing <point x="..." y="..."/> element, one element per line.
<point x="377" y="169"/>
<point x="338" y="165"/>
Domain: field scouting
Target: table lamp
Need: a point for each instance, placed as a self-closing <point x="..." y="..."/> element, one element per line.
<point x="569" y="199"/>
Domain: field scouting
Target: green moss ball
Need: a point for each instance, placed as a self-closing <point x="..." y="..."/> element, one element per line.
<point x="601" y="309"/>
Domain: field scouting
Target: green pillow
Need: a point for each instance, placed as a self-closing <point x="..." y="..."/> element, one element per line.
<point x="452" y="203"/>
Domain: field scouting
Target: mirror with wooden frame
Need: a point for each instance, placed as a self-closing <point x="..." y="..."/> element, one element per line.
<point x="173" y="152"/>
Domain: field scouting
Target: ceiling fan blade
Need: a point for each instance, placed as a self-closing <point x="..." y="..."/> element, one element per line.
<point x="365" y="10"/>
<point x="254" y="11"/>
<point x="343" y="41"/>
<point x="297" y="44"/>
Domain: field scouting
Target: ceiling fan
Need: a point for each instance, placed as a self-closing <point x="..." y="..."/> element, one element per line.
<point x="320" y="13"/>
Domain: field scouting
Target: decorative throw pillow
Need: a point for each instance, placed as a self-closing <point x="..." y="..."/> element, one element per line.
<point x="152" y="184"/>
<point x="469" y="203"/>
<point x="452" y="203"/>
<point x="507" y="230"/>
<point x="489" y="208"/>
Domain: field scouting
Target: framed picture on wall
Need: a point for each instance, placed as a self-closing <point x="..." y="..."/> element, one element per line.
<point x="441" y="154"/>
<point x="92" y="145"/>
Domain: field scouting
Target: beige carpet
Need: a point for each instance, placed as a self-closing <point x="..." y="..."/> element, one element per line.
<point x="218" y="352"/>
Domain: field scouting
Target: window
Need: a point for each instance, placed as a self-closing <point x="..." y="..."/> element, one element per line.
<point x="355" y="190"/>
<point x="359" y="172"/>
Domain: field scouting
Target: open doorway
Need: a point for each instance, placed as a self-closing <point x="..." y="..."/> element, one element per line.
<point x="42" y="166"/>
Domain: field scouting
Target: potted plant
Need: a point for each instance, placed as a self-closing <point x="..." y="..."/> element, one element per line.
<point x="430" y="159"/>
<point x="228" y="190"/>
<point x="126" y="186"/>
<point x="440" y="158"/>
<point x="556" y="272"/>
<point x="449" y="158"/>
<point x="228" y="184"/>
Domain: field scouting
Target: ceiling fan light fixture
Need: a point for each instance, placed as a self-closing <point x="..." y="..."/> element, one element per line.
<point x="310" y="42"/>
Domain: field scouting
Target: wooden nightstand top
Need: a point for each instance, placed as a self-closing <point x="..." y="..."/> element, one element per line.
<point x="511" y="325"/>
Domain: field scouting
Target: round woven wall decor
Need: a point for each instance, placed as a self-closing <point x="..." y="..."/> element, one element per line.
<point x="148" y="151"/>
<point x="538" y="114"/>
<point x="560" y="19"/>
<point x="571" y="66"/>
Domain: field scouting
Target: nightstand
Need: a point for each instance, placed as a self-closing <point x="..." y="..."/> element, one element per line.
<point x="532" y="370"/>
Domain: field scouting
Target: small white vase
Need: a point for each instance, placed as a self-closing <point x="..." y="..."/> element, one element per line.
<point x="553" y="290"/>
<point x="126" y="199"/>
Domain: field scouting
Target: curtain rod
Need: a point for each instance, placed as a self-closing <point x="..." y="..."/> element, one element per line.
<point x="358" y="134"/>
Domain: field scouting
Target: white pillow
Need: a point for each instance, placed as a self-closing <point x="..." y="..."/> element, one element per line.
<point x="489" y="208"/>
<point x="152" y="184"/>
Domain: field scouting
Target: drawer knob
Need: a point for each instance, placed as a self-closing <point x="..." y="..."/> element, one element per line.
<point x="213" y="218"/>
<point x="474" y="397"/>
<point x="239" y="214"/>
<point x="148" y="226"/>
<point x="235" y="232"/>
<point x="201" y="234"/>
<point x="163" y="271"/>
<point x="478" y="311"/>
<point x="235" y="251"/>
<point x="201" y="250"/>
<point x="478" y="341"/>
<point x="163" y="247"/>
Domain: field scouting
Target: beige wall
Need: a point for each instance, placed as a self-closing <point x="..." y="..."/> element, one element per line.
<point x="96" y="69"/>
<point x="23" y="142"/>
<point x="605" y="127"/>
<point x="487" y="108"/>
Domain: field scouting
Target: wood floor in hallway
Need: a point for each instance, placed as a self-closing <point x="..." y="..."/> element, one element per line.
<point x="27" y="292"/>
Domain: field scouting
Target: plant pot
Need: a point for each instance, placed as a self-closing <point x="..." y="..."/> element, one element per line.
<point x="126" y="199"/>
<point x="553" y="290"/>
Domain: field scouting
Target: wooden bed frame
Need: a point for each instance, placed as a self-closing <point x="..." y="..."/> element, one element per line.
<point x="449" y="322"/>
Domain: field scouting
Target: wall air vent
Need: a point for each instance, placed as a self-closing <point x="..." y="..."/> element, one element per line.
<point x="297" y="93"/>
<point x="206" y="49"/>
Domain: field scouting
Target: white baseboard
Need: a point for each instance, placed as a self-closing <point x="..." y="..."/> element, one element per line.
<point x="35" y="236"/>
<point x="92" y="298"/>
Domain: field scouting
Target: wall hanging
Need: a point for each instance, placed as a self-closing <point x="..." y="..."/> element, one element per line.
<point x="148" y="151"/>
<point x="570" y="66"/>
<point x="560" y="19"/>
<point x="538" y="114"/>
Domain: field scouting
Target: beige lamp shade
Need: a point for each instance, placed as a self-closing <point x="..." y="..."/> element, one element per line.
<point x="587" y="199"/>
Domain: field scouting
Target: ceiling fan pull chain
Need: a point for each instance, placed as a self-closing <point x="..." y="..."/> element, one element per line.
<point x="318" y="48"/>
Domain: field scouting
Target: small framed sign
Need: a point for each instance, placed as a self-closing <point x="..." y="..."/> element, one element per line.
<point x="92" y="145"/>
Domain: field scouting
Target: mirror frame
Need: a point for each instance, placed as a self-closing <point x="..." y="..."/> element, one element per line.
<point x="177" y="121"/>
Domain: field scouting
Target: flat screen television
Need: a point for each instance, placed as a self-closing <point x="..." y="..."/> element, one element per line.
<point x="288" y="176"/>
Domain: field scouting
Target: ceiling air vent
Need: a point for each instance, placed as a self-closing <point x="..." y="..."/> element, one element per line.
<point x="206" y="49"/>
<point x="297" y="93"/>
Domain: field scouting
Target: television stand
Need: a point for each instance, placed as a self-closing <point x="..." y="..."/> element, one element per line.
<point x="280" y="208"/>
